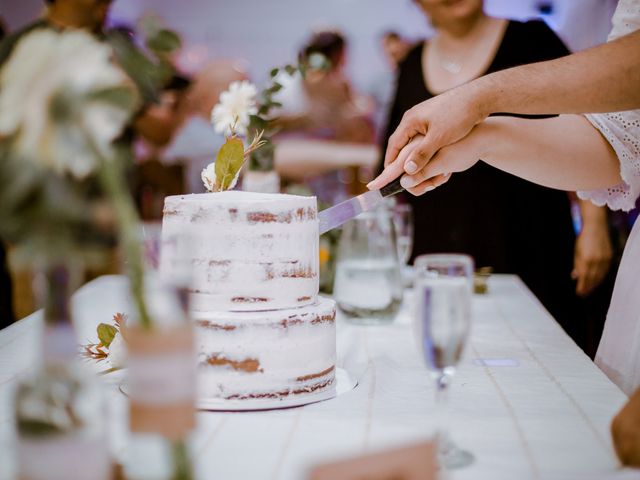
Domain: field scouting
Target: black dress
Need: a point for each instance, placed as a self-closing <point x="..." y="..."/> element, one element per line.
<point x="501" y="220"/>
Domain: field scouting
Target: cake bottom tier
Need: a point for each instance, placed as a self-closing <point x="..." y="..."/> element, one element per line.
<point x="267" y="354"/>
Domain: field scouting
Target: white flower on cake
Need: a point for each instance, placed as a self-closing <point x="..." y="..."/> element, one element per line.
<point x="231" y="114"/>
<point x="117" y="352"/>
<point x="241" y="112"/>
<point x="51" y="84"/>
<point x="208" y="176"/>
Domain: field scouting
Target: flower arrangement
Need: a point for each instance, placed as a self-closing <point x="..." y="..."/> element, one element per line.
<point x="243" y="112"/>
<point x="63" y="105"/>
<point x="111" y="344"/>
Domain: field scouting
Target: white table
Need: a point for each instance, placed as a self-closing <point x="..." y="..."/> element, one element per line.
<point x="546" y="418"/>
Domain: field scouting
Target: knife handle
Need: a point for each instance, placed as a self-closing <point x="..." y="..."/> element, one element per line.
<point x="392" y="188"/>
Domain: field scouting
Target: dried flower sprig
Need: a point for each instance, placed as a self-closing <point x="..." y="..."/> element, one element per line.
<point x="111" y="345"/>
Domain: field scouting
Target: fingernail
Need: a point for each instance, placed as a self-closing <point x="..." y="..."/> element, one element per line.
<point x="407" y="182"/>
<point x="410" y="167"/>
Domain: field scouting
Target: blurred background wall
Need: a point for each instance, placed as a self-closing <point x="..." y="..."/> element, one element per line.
<point x="264" y="33"/>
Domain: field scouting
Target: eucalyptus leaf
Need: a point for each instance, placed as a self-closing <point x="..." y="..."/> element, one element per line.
<point x="37" y="428"/>
<point x="256" y="122"/>
<point x="290" y="69"/>
<point x="106" y="333"/>
<point x="121" y="97"/>
<point x="164" y="42"/>
<point x="229" y="161"/>
<point x="276" y="87"/>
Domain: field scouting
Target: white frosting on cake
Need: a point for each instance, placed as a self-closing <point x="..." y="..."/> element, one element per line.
<point x="268" y="354"/>
<point x="262" y="331"/>
<point x="247" y="251"/>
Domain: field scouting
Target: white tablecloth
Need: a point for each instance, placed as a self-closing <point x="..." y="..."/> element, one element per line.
<point x="545" y="416"/>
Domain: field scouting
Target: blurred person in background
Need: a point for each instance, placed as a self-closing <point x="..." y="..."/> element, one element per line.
<point x="323" y="104"/>
<point x="326" y="127"/>
<point x="504" y="222"/>
<point x="394" y="48"/>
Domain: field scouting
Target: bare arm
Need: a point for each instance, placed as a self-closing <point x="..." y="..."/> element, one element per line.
<point x="604" y="78"/>
<point x="564" y="152"/>
<point x="601" y="79"/>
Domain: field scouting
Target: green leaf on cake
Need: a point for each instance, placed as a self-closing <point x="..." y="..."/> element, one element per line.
<point x="106" y="333"/>
<point x="228" y="163"/>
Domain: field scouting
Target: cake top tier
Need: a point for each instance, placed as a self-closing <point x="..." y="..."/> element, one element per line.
<point x="241" y="207"/>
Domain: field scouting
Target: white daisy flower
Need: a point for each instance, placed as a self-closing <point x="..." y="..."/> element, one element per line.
<point x="235" y="106"/>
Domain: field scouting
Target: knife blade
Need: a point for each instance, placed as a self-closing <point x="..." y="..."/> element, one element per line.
<point x="335" y="216"/>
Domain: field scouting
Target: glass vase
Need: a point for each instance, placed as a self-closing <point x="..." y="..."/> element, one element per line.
<point x="161" y="369"/>
<point x="59" y="407"/>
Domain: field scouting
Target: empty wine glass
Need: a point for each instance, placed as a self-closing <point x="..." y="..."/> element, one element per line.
<point x="443" y="286"/>
<point x="403" y="222"/>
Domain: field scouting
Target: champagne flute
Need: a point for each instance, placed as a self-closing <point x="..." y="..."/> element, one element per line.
<point x="403" y="221"/>
<point x="443" y="286"/>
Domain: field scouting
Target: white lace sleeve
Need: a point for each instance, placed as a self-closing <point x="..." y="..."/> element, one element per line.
<point x="622" y="131"/>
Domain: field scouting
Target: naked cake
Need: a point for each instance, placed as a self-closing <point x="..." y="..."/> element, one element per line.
<point x="262" y="330"/>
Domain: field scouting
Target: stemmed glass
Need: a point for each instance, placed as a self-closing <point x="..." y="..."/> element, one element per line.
<point x="403" y="222"/>
<point x="443" y="286"/>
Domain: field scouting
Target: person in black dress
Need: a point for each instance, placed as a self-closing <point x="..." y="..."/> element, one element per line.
<point x="502" y="221"/>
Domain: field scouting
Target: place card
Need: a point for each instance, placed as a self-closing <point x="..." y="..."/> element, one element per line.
<point x="414" y="462"/>
<point x="496" y="362"/>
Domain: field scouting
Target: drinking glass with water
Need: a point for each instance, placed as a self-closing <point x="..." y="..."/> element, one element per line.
<point x="368" y="286"/>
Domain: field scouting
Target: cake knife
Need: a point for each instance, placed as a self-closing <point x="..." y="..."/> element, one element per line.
<point x="335" y="216"/>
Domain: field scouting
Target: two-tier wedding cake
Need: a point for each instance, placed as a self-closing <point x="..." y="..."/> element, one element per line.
<point x="262" y="329"/>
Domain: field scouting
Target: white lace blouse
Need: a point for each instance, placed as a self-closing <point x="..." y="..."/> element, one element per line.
<point x="621" y="129"/>
<point x="619" y="350"/>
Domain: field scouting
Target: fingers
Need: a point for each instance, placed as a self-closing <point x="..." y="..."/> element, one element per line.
<point x="430" y="184"/>
<point x="421" y="154"/>
<point x="438" y="166"/>
<point x="589" y="274"/>
<point x="408" y="128"/>
<point x="389" y="174"/>
<point x="394" y="170"/>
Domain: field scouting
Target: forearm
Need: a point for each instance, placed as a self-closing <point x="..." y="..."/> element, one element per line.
<point x="566" y="152"/>
<point x="601" y="79"/>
